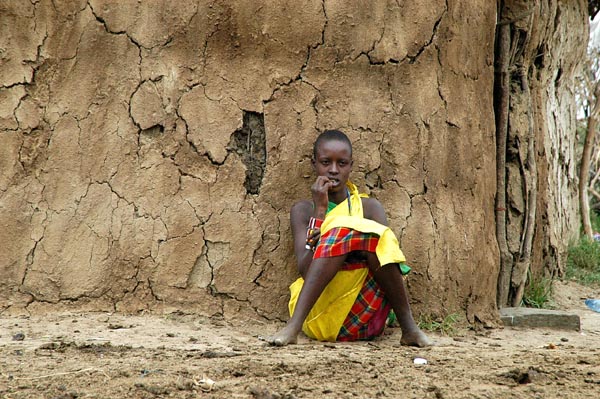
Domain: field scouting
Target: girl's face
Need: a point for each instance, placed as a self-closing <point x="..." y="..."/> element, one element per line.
<point x="334" y="161"/>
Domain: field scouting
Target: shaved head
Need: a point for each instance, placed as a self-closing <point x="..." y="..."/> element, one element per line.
<point x="331" y="135"/>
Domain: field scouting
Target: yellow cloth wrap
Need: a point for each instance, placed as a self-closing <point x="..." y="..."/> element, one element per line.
<point x="329" y="312"/>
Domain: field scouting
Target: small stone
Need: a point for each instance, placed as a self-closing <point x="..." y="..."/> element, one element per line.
<point x="18" y="336"/>
<point x="529" y="317"/>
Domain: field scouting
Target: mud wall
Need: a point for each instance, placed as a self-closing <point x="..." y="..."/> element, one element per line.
<point x="149" y="155"/>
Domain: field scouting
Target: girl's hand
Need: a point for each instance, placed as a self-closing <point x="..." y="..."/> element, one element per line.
<point x="320" y="194"/>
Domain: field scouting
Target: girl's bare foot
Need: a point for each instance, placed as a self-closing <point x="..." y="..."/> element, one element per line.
<point x="415" y="338"/>
<point x="284" y="337"/>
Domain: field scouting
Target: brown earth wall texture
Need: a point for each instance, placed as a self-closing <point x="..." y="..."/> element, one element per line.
<point x="150" y="153"/>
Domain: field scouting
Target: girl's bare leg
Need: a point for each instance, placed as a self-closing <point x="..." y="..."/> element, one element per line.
<point x="319" y="274"/>
<point x="389" y="278"/>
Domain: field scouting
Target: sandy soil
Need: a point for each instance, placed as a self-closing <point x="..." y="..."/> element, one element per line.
<point x="100" y="355"/>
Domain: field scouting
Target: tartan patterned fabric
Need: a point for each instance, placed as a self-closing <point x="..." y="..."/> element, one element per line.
<point x="370" y="300"/>
<point x="341" y="240"/>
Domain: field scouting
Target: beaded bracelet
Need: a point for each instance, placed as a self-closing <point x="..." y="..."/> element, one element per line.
<point x="313" y="224"/>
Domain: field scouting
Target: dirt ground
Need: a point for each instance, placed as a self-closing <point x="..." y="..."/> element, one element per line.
<point x="100" y="355"/>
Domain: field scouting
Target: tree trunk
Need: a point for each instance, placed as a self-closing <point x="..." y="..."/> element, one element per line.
<point x="536" y="202"/>
<point x="529" y="170"/>
<point x="501" y="94"/>
<point x="584" y="171"/>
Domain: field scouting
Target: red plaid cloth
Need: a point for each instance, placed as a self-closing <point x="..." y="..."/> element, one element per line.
<point x="367" y="316"/>
<point x="341" y="240"/>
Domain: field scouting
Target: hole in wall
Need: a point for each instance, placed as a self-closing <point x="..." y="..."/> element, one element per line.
<point x="249" y="143"/>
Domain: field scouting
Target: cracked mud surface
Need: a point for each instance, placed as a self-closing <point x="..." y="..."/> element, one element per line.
<point x="98" y="355"/>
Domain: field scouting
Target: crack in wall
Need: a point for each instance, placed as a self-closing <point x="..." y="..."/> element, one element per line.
<point x="391" y="96"/>
<point x="96" y="293"/>
<point x="222" y="250"/>
<point x="15" y="109"/>
<point x="257" y="250"/>
<point x="187" y="135"/>
<point x="206" y="154"/>
<point x="29" y="259"/>
<point x="199" y="264"/>
<point x="205" y="48"/>
<point x="412" y="59"/>
<point x="38" y="57"/>
<point x="74" y="57"/>
<point x="152" y="132"/>
<point x="136" y="44"/>
<point x="299" y="77"/>
<point x="123" y="32"/>
<point x="325" y="24"/>
<point x="12" y="85"/>
<point x="262" y="271"/>
<point x="439" y="87"/>
<point x="137" y="125"/>
<point x="371" y="49"/>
